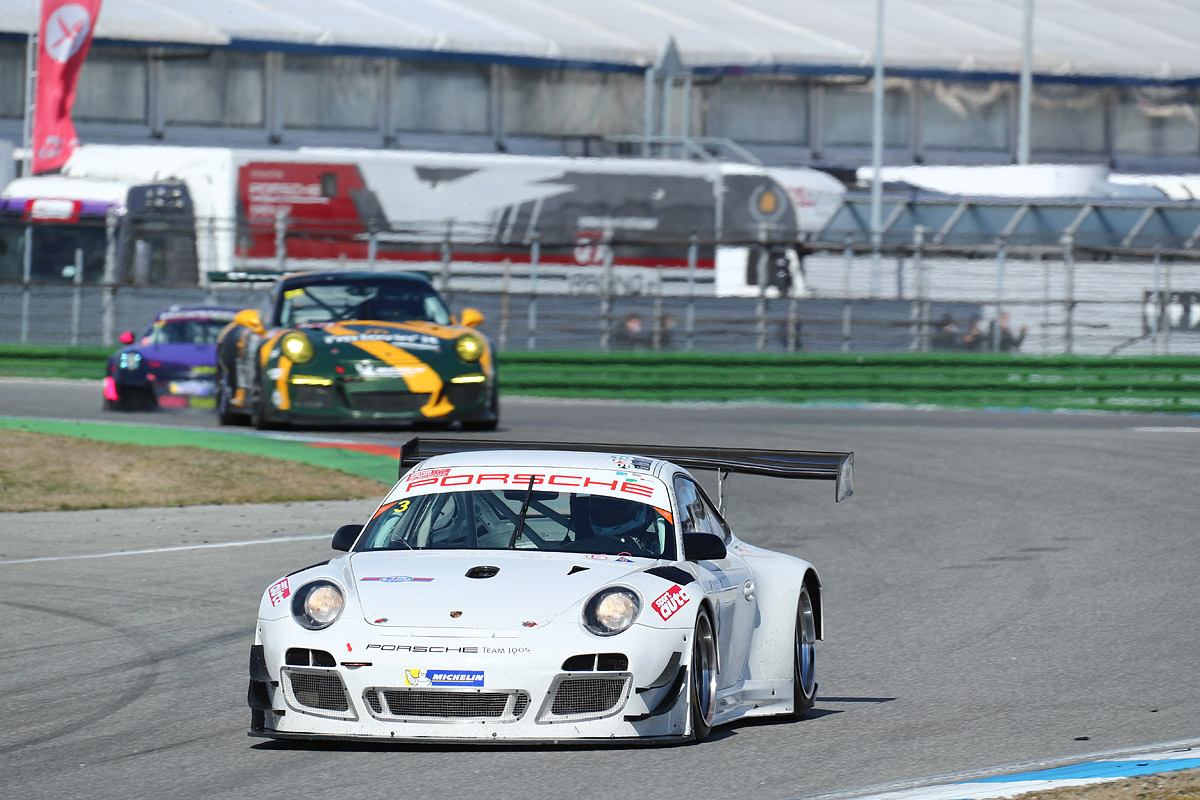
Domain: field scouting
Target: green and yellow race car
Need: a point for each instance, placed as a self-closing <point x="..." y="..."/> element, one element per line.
<point x="356" y="347"/>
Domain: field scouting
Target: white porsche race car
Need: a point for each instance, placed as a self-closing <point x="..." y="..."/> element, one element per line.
<point x="542" y="592"/>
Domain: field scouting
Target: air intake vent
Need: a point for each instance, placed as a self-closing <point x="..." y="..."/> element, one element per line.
<point x="673" y="574"/>
<point x="482" y="572"/>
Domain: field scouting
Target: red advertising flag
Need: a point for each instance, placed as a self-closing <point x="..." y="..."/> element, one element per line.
<point x="63" y="40"/>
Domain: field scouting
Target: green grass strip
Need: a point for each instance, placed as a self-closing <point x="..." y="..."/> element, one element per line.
<point x="382" y="468"/>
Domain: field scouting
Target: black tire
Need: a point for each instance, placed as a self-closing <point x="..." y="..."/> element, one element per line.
<point x="225" y="415"/>
<point x="486" y="424"/>
<point x="257" y="401"/>
<point x="804" y="656"/>
<point x="132" y="399"/>
<point x="702" y="677"/>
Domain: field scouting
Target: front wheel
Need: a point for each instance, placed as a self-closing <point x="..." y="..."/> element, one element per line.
<point x="486" y="424"/>
<point x="702" y="677"/>
<point x="804" y="674"/>
<point x="257" y="401"/>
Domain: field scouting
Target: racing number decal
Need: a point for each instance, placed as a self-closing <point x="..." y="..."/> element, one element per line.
<point x="399" y="507"/>
<point x="671" y="601"/>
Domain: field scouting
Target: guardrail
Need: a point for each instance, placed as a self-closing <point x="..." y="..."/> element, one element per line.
<point x="1160" y="383"/>
<point x="51" y="361"/>
<point x="1144" y="383"/>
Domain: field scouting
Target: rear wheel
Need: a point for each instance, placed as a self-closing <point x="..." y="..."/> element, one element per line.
<point x="804" y="674"/>
<point x="225" y="413"/>
<point x="702" y="677"/>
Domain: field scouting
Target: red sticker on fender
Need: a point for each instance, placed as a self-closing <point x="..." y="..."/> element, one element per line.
<point x="671" y="601"/>
<point x="279" y="592"/>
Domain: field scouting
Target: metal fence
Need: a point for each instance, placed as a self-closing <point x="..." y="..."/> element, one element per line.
<point x="847" y="300"/>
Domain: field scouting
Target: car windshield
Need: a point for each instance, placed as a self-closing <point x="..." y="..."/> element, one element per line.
<point x="187" y="331"/>
<point x="388" y="301"/>
<point x="521" y="519"/>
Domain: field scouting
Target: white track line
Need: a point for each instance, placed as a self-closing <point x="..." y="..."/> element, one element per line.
<point x="166" y="549"/>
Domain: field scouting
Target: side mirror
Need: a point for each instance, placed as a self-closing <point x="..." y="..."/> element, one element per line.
<point x="703" y="547"/>
<point x="345" y="537"/>
<point x="471" y="317"/>
<point x="127" y="337"/>
<point x="249" y="318"/>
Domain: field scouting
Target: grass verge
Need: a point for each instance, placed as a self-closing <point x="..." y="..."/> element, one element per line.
<point x="46" y="472"/>
<point x="1181" y="785"/>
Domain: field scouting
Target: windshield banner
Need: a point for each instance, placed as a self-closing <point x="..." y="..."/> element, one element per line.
<point x="631" y="484"/>
<point x="64" y="35"/>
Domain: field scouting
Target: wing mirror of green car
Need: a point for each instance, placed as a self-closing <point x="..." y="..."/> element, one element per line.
<point x="249" y="318"/>
<point x="471" y="317"/>
<point x="345" y="537"/>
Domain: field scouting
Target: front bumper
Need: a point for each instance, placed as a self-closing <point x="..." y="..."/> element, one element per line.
<point x="166" y="392"/>
<point x="553" y="683"/>
<point x="385" y="399"/>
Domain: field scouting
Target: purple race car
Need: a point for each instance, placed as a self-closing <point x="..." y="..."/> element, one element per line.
<point x="173" y="364"/>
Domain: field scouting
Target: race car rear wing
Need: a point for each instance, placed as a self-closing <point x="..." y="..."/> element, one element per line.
<point x="807" y="464"/>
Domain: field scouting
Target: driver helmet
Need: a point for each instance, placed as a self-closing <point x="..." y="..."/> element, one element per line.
<point x="612" y="516"/>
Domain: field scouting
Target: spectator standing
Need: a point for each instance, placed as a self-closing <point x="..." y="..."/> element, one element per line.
<point x="946" y="336"/>
<point x="1006" y="341"/>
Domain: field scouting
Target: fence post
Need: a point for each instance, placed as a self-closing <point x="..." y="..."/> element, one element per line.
<point x="1166" y="300"/>
<point x="656" y="338"/>
<point x="1155" y="300"/>
<point x="690" y="318"/>
<point x="793" y="333"/>
<point x="1069" y="301"/>
<point x="1045" y="306"/>
<point x="535" y="251"/>
<point x="920" y="310"/>
<point x="372" y="249"/>
<point x="504" y="300"/>
<point x="1001" y="256"/>
<point x="447" y="257"/>
<point x="849" y="255"/>
<point x="281" y="239"/>
<point x="112" y="274"/>
<point x="760" y="308"/>
<point x="606" y="293"/>
<point x="77" y="279"/>
<point x="26" y="277"/>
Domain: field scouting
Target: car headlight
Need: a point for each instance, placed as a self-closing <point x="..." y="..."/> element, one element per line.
<point x="611" y="610"/>
<point x="297" y="347"/>
<point x="318" y="604"/>
<point x="469" y="347"/>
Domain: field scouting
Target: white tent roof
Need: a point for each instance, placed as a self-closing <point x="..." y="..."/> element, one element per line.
<point x="1147" y="39"/>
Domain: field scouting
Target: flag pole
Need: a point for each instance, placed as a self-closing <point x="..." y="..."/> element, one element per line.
<point x="31" y="86"/>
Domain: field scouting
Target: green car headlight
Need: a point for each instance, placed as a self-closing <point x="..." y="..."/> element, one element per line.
<point x="469" y="347"/>
<point x="297" y="347"/>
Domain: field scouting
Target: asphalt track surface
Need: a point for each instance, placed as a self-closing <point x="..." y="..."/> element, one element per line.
<point x="1003" y="588"/>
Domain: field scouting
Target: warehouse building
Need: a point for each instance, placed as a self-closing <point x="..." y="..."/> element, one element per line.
<point x="784" y="82"/>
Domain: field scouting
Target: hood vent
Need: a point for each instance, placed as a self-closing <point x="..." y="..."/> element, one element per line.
<point x="576" y="568"/>
<point x="674" y="574"/>
<point x="482" y="572"/>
